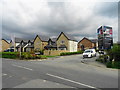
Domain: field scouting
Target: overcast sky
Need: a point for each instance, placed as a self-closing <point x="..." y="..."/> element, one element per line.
<point x="27" y="18"/>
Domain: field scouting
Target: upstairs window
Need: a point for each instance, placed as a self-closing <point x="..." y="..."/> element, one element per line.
<point x="62" y="42"/>
<point x="29" y="43"/>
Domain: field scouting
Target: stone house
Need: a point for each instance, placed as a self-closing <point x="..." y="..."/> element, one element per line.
<point x="25" y="46"/>
<point x="66" y="42"/>
<point x="51" y="44"/>
<point x="40" y="42"/>
<point x="86" y="43"/>
<point x="4" y="45"/>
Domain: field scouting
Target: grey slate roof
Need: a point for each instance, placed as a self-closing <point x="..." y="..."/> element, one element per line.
<point x="93" y="40"/>
<point x="20" y="45"/>
<point x="30" y="46"/>
<point x="18" y="40"/>
<point x="62" y="46"/>
<point x="51" y="46"/>
<point x="69" y="36"/>
<point x="53" y="39"/>
<point x="43" y="38"/>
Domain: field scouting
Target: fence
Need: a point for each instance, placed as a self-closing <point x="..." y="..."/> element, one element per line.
<point x="54" y="52"/>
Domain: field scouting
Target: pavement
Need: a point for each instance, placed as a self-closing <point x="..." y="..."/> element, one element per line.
<point x="61" y="72"/>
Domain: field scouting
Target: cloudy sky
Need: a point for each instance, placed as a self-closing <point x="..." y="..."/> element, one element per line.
<point x="27" y="18"/>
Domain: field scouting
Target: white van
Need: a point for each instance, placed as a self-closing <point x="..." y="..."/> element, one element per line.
<point x="89" y="53"/>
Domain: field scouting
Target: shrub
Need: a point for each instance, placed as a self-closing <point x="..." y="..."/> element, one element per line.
<point x="70" y="53"/>
<point x="103" y="58"/>
<point x="114" y="53"/>
<point x="11" y="55"/>
<point x="113" y="64"/>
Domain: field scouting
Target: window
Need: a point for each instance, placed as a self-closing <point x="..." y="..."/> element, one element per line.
<point x="22" y="43"/>
<point x="62" y="41"/>
<point x="29" y="43"/>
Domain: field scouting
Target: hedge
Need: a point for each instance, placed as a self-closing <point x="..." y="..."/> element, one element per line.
<point x="11" y="55"/>
<point x="24" y="55"/>
<point x="113" y="64"/>
<point x="114" y="53"/>
<point x="70" y="53"/>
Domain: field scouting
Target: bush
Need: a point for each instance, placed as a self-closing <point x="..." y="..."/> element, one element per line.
<point x="11" y="55"/>
<point x="114" y="53"/>
<point x="103" y="59"/>
<point x="24" y="55"/>
<point x="70" y="53"/>
<point x="114" y="64"/>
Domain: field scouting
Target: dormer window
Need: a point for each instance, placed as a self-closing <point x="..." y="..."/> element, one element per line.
<point x="22" y="43"/>
<point x="29" y="43"/>
<point x="50" y="43"/>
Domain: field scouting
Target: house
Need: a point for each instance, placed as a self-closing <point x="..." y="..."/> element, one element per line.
<point x="40" y="42"/>
<point x="25" y="46"/>
<point x="86" y="43"/>
<point x="30" y="46"/>
<point x="15" y="43"/>
<point x="51" y="44"/>
<point x="66" y="42"/>
<point x="4" y="45"/>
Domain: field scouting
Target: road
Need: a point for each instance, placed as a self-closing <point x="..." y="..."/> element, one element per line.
<point x="62" y="72"/>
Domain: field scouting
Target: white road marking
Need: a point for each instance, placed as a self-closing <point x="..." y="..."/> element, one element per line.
<point x="44" y="80"/>
<point x="3" y="74"/>
<point x="22" y="67"/>
<point x="72" y="81"/>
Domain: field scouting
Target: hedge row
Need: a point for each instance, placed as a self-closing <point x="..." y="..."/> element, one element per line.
<point x="12" y="55"/>
<point x="70" y="53"/>
<point x="24" y="55"/>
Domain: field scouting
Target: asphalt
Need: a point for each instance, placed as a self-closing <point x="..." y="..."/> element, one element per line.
<point x="61" y="72"/>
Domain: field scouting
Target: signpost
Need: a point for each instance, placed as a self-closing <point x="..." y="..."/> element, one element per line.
<point x="105" y="39"/>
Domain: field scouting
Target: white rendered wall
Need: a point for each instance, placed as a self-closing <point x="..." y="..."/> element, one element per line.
<point x="73" y="46"/>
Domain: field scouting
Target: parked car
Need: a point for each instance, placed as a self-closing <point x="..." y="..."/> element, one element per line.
<point x="9" y="50"/>
<point x="89" y="53"/>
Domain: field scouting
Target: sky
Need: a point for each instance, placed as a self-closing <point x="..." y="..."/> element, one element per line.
<point x="27" y="18"/>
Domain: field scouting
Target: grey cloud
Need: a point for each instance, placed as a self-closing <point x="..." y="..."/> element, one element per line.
<point x="108" y="9"/>
<point x="58" y="18"/>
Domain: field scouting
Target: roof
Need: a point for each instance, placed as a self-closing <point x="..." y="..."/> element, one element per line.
<point x="30" y="46"/>
<point x="91" y="40"/>
<point x="42" y="37"/>
<point x="20" y="45"/>
<point x="5" y="40"/>
<point x="68" y="36"/>
<point x="18" y="40"/>
<point x="62" y="46"/>
<point x="53" y="39"/>
<point x="51" y="46"/>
